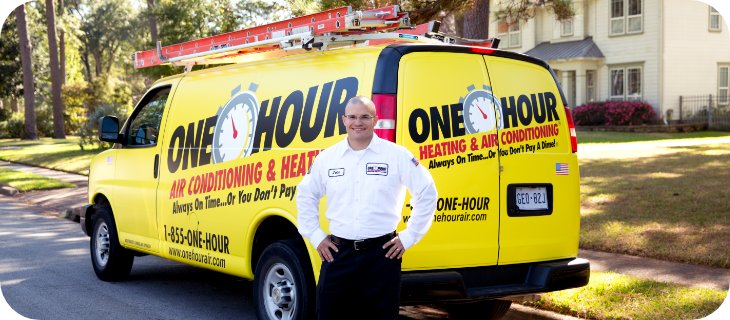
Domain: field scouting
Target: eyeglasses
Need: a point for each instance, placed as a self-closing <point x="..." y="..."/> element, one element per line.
<point x="362" y="118"/>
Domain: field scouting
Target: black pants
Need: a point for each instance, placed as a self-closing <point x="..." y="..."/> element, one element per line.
<point x="359" y="284"/>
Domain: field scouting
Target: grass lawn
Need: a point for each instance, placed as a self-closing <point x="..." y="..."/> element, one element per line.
<point x="613" y="296"/>
<point x="24" y="181"/>
<point x="665" y="203"/>
<point x="590" y="137"/>
<point x="63" y="155"/>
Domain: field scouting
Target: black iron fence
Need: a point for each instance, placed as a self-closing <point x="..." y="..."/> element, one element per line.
<point x="709" y="108"/>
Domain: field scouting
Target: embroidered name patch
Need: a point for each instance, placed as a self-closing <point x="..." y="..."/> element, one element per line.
<point x="378" y="169"/>
<point x="337" y="172"/>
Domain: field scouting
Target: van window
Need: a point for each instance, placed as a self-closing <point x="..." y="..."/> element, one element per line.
<point x="145" y="126"/>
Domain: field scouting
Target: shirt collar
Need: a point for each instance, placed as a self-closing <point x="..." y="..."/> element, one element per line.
<point x="374" y="145"/>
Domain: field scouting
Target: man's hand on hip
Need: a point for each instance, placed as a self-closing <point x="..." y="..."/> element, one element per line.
<point x="397" y="249"/>
<point x="323" y="249"/>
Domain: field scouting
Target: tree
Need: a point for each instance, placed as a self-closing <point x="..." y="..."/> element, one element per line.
<point x="105" y="27"/>
<point x="152" y="20"/>
<point x="58" y="124"/>
<point x="476" y="21"/>
<point x="513" y="11"/>
<point x="11" y="68"/>
<point x="62" y="43"/>
<point x="31" y="133"/>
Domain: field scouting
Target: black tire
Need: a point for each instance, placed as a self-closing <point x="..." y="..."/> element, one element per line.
<point x="114" y="262"/>
<point x="485" y="309"/>
<point x="295" y="281"/>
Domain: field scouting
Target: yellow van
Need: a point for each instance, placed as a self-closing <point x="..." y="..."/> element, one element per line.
<point x="205" y="172"/>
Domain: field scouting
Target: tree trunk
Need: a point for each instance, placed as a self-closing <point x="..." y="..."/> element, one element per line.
<point x="31" y="132"/>
<point x="62" y="49"/>
<point x="85" y="59"/>
<point x="62" y="44"/>
<point x="476" y="21"/>
<point x="459" y="24"/>
<point x="97" y="61"/>
<point x="59" y="131"/>
<point x="112" y="51"/>
<point x="153" y="22"/>
<point x="14" y="104"/>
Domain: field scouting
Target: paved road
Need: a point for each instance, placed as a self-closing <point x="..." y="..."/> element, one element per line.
<point x="46" y="273"/>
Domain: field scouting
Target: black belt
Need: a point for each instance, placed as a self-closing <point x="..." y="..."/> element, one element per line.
<point x="361" y="244"/>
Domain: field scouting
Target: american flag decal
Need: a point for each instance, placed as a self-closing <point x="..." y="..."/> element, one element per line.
<point x="562" y="169"/>
<point x="415" y="161"/>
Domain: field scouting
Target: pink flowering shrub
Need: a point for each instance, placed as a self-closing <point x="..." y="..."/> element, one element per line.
<point x="614" y="113"/>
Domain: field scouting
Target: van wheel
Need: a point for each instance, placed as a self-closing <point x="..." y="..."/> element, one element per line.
<point x="485" y="309"/>
<point x="284" y="286"/>
<point x="111" y="261"/>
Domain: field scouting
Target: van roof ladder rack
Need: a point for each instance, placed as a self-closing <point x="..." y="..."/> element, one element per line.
<point x="323" y="30"/>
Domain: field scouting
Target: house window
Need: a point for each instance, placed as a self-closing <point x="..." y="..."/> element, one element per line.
<point x="714" y="19"/>
<point x="617" y="84"/>
<point x="510" y="32"/>
<point x="514" y="35"/>
<point x="625" y="84"/>
<point x="566" y="28"/>
<point x="626" y="17"/>
<point x="590" y="86"/>
<point x="617" y="17"/>
<point x="633" y="84"/>
<point x="723" y="88"/>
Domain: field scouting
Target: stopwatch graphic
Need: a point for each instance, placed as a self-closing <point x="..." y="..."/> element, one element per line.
<point x="234" y="131"/>
<point x="482" y="111"/>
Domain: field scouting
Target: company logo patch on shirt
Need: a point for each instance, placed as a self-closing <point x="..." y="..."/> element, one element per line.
<point x="337" y="172"/>
<point x="378" y="169"/>
<point x="415" y="161"/>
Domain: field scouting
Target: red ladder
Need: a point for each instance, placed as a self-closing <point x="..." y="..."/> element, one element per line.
<point x="335" y="20"/>
<point x="327" y="29"/>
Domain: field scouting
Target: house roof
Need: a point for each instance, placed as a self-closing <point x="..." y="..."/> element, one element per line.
<point x="585" y="48"/>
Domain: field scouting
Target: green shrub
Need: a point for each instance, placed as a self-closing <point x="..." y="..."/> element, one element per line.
<point x="89" y="132"/>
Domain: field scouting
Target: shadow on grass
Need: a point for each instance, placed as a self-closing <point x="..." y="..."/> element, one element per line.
<point x="665" y="203"/>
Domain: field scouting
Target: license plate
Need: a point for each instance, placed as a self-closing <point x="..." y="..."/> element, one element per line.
<point x="531" y="198"/>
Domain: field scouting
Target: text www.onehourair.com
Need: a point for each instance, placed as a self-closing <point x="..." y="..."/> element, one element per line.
<point x="197" y="257"/>
<point x="443" y="217"/>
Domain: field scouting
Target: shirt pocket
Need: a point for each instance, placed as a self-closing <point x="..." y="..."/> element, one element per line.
<point x="337" y="190"/>
<point x="388" y="185"/>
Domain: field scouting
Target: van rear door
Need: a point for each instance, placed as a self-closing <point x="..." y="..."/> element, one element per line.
<point x="539" y="182"/>
<point x="459" y="148"/>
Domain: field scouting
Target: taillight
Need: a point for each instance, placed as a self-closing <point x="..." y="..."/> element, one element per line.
<point x="385" y="110"/>
<point x="571" y="126"/>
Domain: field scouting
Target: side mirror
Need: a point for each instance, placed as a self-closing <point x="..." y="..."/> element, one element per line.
<point x="109" y="129"/>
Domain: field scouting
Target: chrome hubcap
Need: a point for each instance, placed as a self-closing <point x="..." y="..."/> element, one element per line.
<point x="102" y="244"/>
<point x="279" y="293"/>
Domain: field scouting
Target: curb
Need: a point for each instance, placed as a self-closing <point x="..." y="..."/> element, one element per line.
<point x="8" y="191"/>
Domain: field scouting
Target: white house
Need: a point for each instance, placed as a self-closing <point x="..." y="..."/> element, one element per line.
<point x="649" y="50"/>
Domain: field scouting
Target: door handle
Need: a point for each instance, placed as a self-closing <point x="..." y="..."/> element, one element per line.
<point x="157" y="161"/>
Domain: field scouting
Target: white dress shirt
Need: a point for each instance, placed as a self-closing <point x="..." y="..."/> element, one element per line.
<point x="365" y="193"/>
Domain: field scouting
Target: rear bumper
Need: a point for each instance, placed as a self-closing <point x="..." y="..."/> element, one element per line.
<point x="493" y="282"/>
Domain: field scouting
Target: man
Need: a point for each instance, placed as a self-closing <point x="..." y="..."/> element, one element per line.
<point x="364" y="178"/>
